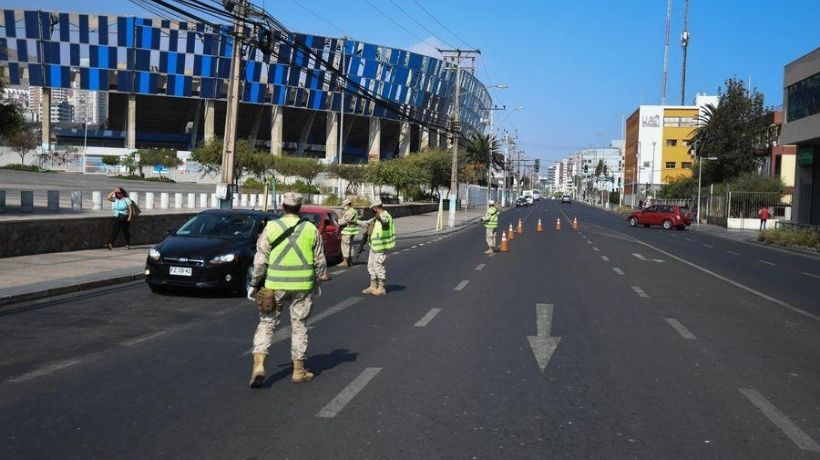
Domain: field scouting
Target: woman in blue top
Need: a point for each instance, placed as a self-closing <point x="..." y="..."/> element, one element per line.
<point x="123" y="213"/>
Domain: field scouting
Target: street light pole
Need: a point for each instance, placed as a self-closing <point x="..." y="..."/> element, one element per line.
<point x="455" y="129"/>
<point x="652" y="173"/>
<point x="342" y="115"/>
<point x="700" y="174"/>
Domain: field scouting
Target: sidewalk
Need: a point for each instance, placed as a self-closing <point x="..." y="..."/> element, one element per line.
<point x="46" y="275"/>
<point x="744" y="236"/>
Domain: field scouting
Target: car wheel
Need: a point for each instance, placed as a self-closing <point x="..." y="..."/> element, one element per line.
<point x="667" y="224"/>
<point x="633" y="221"/>
<point x="157" y="289"/>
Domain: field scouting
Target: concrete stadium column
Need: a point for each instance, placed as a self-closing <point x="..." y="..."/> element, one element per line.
<point x="276" y="125"/>
<point x="374" y="141"/>
<point x="424" y="134"/>
<point x="45" y="118"/>
<point x="332" y="138"/>
<point x="131" y="123"/>
<point x="349" y="120"/>
<point x="305" y="136"/>
<point x="208" y="133"/>
<point x="434" y="138"/>
<point x="446" y="141"/>
<point x="195" y="124"/>
<point x="404" y="138"/>
<point x="257" y="122"/>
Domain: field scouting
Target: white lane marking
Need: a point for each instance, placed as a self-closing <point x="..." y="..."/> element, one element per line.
<point x="425" y="320"/>
<point x="811" y="274"/>
<point x="44" y="371"/>
<point x="709" y="246"/>
<point x="284" y="333"/>
<point x="413" y="247"/>
<point x="640" y="292"/>
<point x="618" y="271"/>
<point x="342" y="399"/>
<point x="641" y="257"/>
<point x="733" y="253"/>
<point x="766" y="262"/>
<point x="144" y="338"/>
<point x="589" y="242"/>
<point x="605" y="258"/>
<point x="685" y="333"/>
<point x="338" y="272"/>
<point x="689" y="239"/>
<point x="595" y="249"/>
<point x="462" y="285"/>
<point x="780" y="420"/>
<point x="480" y="267"/>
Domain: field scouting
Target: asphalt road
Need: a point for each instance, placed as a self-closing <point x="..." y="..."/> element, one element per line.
<point x="693" y="348"/>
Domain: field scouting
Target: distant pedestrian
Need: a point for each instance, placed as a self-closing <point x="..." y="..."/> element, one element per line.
<point x="764" y="215"/>
<point x="123" y="213"/>
<point x="490" y="226"/>
<point x="640" y="204"/>
<point x="350" y="228"/>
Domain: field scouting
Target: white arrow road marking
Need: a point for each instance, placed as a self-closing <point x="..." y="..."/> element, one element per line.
<point x="780" y="420"/>
<point x="543" y="345"/>
<point x="641" y="257"/>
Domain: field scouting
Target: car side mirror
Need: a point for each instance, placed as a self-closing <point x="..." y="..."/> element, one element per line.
<point x="330" y="228"/>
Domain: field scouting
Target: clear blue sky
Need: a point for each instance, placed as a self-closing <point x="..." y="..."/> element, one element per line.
<point x="575" y="66"/>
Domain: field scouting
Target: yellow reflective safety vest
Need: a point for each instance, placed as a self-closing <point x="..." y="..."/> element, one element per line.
<point x="491" y="219"/>
<point x="382" y="239"/>
<point x="351" y="216"/>
<point x="290" y="264"/>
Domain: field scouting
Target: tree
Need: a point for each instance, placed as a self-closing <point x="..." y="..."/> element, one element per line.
<point x="679" y="187"/>
<point x="355" y="175"/>
<point x="402" y="173"/>
<point x="22" y="141"/>
<point x="437" y="165"/>
<point x="478" y="151"/>
<point x="157" y="157"/>
<point x="11" y="120"/>
<point x="730" y="132"/>
<point x="110" y="160"/>
<point x="208" y="154"/>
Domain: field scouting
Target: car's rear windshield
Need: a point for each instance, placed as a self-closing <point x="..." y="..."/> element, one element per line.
<point x="221" y="226"/>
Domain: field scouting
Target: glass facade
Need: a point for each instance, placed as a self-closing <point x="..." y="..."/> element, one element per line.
<point x="192" y="60"/>
<point x="804" y="98"/>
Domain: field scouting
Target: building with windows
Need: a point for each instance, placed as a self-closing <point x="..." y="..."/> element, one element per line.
<point x="656" y="148"/>
<point x="801" y="86"/>
<point x="167" y="81"/>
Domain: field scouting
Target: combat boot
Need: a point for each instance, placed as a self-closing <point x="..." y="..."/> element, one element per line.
<point x="343" y="264"/>
<point x="372" y="288"/>
<point x="300" y="374"/>
<point x="380" y="291"/>
<point x="489" y="251"/>
<point x="258" y="373"/>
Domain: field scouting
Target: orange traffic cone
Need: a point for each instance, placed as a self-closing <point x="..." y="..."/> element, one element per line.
<point x="558" y="224"/>
<point x="510" y="234"/>
<point x="520" y="228"/>
<point x="539" y="227"/>
<point x="575" y="223"/>
<point x="505" y="246"/>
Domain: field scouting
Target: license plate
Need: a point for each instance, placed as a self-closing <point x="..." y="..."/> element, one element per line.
<point x="180" y="271"/>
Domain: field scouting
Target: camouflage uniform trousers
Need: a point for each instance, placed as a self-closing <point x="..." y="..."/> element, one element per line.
<point x="375" y="266"/>
<point x="300" y="304"/>
<point x="490" y="233"/>
<point x="347" y="246"/>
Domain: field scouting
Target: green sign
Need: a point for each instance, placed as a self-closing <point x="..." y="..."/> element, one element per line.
<point x="805" y="156"/>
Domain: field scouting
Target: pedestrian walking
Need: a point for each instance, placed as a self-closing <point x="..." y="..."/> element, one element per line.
<point x="123" y="213"/>
<point x="350" y="228"/>
<point x="382" y="239"/>
<point x="764" y="215"/>
<point x="290" y="260"/>
<point x="640" y="204"/>
<point x="490" y="226"/>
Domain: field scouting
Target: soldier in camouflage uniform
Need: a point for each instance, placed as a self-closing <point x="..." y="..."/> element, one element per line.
<point x="350" y="228"/>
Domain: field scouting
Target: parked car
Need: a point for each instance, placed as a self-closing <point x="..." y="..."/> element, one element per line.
<point x="521" y="201"/>
<point x="667" y="216"/>
<point x="566" y="199"/>
<point x="215" y="248"/>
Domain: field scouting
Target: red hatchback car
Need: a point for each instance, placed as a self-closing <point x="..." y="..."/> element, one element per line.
<point x="327" y="222"/>
<point x="667" y="216"/>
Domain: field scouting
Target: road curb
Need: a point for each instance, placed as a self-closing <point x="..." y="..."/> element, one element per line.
<point x="13" y="299"/>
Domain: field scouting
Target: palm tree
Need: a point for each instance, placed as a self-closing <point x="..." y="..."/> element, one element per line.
<point x="479" y="149"/>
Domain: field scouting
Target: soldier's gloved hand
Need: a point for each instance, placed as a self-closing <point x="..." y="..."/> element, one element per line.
<point x="252" y="294"/>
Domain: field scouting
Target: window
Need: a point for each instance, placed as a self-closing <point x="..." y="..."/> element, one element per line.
<point x="670" y="165"/>
<point x="803" y="98"/>
<point x="671" y="142"/>
<point x="679" y="122"/>
<point x="686" y="165"/>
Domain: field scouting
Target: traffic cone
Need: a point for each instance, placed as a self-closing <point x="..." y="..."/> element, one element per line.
<point x="520" y="228"/>
<point x="539" y="227"/>
<point x="558" y="224"/>
<point x="575" y="223"/>
<point x="510" y="234"/>
<point x="505" y="246"/>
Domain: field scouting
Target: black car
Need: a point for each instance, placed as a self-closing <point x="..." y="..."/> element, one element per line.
<point x="212" y="250"/>
<point x="521" y="201"/>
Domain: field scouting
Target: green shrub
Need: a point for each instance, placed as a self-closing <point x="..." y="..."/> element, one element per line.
<point x="800" y="238"/>
<point x="332" y="200"/>
<point x="254" y="185"/>
<point x="27" y="168"/>
<point x="299" y="187"/>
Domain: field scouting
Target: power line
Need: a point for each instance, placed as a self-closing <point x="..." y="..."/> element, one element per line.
<point x="421" y="25"/>
<point x="397" y="23"/>
<point x="315" y="14"/>
<point x="442" y="24"/>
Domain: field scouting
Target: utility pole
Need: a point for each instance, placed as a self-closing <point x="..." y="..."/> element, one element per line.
<point x="343" y="69"/>
<point x="666" y="52"/>
<point x="454" y="58"/>
<point x="684" y="44"/>
<point x="229" y="144"/>
<point x="504" y="172"/>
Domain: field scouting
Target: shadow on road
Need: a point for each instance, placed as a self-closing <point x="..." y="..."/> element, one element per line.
<point x="316" y="363"/>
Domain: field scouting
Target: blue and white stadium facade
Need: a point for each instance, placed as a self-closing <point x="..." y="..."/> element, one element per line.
<point x="167" y="83"/>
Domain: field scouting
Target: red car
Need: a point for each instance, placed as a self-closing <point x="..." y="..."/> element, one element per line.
<point x="667" y="216"/>
<point x="327" y="222"/>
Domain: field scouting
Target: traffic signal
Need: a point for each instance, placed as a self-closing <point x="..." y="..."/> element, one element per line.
<point x="537" y="165"/>
<point x="586" y="169"/>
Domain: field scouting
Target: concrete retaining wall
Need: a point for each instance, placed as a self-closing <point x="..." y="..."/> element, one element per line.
<point x="39" y="236"/>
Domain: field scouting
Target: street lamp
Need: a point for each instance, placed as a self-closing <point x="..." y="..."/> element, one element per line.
<point x="700" y="173"/>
